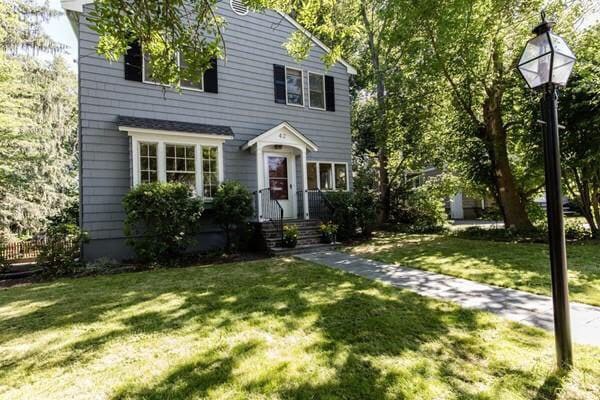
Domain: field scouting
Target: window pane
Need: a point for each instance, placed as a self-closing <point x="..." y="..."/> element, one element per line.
<point x="341" y="180"/>
<point x="294" y="86"/>
<point x="189" y="83"/>
<point x="311" y="174"/>
<point x="325" y="175"/>
<point x="210" y="170"/>
<point x="180" y="164"/>
<point x="317" y="95"/>
<point x="148" y="162"/>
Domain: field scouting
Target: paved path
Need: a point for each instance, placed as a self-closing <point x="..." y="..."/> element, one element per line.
<point x="527" y="308"/>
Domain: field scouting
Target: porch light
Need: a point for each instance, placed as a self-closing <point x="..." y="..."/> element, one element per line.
<point x="547" y="58"/>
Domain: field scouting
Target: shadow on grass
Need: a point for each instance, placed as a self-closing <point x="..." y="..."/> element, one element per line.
<point x="357" y="321"/>
<point x="519" y="265"/>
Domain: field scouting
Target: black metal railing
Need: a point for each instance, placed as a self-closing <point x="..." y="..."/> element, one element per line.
<point x="319" y="206"/>
<point x="269" y="209"/>
<point x="300" y="204"/>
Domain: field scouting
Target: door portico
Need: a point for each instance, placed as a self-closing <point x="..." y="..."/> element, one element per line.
<point x="276" y="151"/>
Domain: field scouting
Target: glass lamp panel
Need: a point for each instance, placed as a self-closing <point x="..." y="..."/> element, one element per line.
<point x="560" y="46"/>
<point x="562" y="69"/>
<point x="536" y="47"/>
<point x="536" y="72"/>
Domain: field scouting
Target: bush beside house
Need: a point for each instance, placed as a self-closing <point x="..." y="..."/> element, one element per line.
<point x="60" y="253"/>
<point x="161" y="219"/>
<point x="232" y="207"/>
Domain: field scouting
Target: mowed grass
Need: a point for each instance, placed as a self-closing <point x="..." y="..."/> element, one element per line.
<point x="523" y="266"/>
<point x="277" y="329"/>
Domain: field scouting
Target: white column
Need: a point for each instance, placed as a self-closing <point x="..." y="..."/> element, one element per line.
<point x="456" y="206"/>
<point x="259" y="179"/>
<point x="162" y="161"/>
<point x="304" y="185"/>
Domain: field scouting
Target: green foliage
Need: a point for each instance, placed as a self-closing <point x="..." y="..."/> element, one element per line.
<point x="354" y="213"/>
<point x="232" y="206"/>
<point x="191" y="30"/>
<point x="290" y="236"/>
<point x="68" y="215"/>
<point x="38" y="139"/>
<point x="536" y="213"/>
<point x="580" y="113"/>
<point x="60" y="253"/>
<point x="161" y="219"/>
<point x="328" y="232"/>
<point x="3" y="260"/>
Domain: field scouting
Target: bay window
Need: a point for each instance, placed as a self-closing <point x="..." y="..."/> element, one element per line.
<point x="197" y="162"/>
<point x="325" y="175"/>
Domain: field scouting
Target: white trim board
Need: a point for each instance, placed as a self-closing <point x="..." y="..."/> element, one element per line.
<point x="188" y="135"/>
<point x="309" y="143"/>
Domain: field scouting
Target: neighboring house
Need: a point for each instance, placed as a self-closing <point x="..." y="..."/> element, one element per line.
<point x="260" y="118"/>
<point x="459" y="206"/>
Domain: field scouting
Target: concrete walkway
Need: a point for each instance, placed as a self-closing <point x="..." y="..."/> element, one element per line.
<point x="523" y="307"/>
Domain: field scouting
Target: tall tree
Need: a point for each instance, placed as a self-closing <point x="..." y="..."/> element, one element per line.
<point x="580" y="144"/>
<point x="37" y="123"/>
<point x="474" y="46"/>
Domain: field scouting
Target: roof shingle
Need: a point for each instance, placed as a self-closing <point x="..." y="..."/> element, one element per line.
<point x="177" y="126"/>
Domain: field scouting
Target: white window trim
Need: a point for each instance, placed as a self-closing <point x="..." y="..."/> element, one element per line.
<point x="332" y="164"/>
<point x="324" y="94"/>
<point x="193" y="89"/>
<point x="301" y="85"/>
<point x="162" y="140"/>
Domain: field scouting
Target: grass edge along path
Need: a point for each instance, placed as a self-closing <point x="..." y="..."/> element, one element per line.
<point x="522" y="266"/>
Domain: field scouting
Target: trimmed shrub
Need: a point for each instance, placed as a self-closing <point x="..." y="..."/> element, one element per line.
<point x="60" y="254"/>
<point x="424" y="213"/>
<point x="344" y="215"/>
<point x="232" y="206"/>
<point x="574" y="230"/>
<point x="161" y="219"/>
<point x="354" y="214"/>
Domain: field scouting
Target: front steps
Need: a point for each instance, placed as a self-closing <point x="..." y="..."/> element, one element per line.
<point x="309" y="237"/>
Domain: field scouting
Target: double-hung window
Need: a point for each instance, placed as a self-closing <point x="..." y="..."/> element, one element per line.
<point x="316" y="87"/>
<point x="180" y="61"/>
<point x="327" y="175"/>
<point x="293" y="87"/>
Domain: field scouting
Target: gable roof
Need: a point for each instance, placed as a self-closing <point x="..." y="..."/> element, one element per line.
<point x="77" y="6"/>
<point x="150" y="124"/>
<point x="309" y="143"/>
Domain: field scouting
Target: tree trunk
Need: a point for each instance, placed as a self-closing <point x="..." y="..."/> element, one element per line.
<point x="382" y="155"/>
<point x="494" y="132"/>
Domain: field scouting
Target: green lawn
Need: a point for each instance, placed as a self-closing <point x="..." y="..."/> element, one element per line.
<point x="522" y="266"/>
<point x="267" y="329"/>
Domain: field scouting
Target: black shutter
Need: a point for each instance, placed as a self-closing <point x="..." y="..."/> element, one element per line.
<point x="133" y="62"/>
<point x="211" y="78"/>
<point x="329" y="93"/>
<point x="279" y="83"/>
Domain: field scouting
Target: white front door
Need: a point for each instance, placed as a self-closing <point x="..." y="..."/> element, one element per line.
<point x="280" y="177"/>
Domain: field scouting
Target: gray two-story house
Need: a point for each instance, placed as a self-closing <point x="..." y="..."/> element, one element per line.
<point x="279" y="126"/>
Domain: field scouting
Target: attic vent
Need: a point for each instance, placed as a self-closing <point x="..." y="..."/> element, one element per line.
<point x="238" y="7"/>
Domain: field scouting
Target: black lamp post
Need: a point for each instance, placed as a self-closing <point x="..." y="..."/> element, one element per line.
<point x="546" y="65"/>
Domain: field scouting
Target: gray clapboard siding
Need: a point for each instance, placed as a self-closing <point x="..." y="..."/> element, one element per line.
<point x="244" y="102"/>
